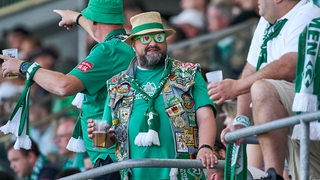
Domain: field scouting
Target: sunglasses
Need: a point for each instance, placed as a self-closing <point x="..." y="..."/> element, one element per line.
<point x="146" y="39"/>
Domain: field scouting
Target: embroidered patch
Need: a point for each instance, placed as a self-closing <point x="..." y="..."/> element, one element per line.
<point x="85" y="66"/>
<point x="187" y="101"/>
<point x="188" y="136"/>
<point x="179" y="122"/>
<point x="124" y="88"/>
<point x="181" y="145"/>
<point x="127" y="101"/>
<point x="124" y="114"/>
<point x="175" y="110"/>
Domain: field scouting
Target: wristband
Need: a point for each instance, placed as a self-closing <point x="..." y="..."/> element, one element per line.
<point x="77" y="19"/>
<point x="23" y="67"/>
<point x="205" y="146"/>
<point x="33" y="67"/>
<point x="241" y="120"/>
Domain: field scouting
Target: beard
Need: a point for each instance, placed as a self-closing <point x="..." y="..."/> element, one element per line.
<point x="150" y="61"/>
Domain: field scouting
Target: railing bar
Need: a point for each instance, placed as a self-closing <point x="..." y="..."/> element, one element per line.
<point x="304" y="150"/>
<point x="133" y="163"/>
<point x="276" y="124"/>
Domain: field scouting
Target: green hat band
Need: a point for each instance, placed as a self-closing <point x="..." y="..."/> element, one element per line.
<point x="147" y="26"/>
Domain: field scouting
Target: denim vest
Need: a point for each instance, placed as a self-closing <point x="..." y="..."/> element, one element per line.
<point x="179" y="105"/>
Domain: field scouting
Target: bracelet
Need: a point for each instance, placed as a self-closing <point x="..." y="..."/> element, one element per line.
<point x="205" y="146"/>
<point x="241" y="120"/>
<point x="77" y="19"/>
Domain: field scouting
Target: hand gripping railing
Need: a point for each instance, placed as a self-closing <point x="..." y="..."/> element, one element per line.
<point x="141" y="163"/>
<point x="304" y="119"/>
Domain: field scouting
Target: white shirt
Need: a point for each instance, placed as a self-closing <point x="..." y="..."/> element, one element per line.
<point x="287" y="40"/>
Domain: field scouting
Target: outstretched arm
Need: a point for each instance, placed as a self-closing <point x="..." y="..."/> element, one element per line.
<point x="52" y="81"/>
<point x="69" y="18"/>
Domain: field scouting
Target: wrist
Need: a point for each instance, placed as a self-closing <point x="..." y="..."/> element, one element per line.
<point x="241" y="120"/>
<point x="78" y="19"/>
<point x="32" y="68"/>
<point x="23" y="68"/>
<point x="205" y="146"/>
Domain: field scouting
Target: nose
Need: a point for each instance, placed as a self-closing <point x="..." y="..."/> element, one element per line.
<point x="152" y="42"/>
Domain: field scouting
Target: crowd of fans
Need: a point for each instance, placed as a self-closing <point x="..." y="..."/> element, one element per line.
<point x="53" y="118"/>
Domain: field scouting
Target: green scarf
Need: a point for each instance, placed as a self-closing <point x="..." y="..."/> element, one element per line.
<point x="41" y="161"/>
<point x="307" y="85"/>
<point x="18" y="123"/>
<point x="149" y="131"/>
<point x="76" y="143"/>
<point x="271" y="32"/>
<point x="235" y="167"/>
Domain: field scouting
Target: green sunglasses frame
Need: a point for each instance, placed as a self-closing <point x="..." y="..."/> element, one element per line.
<point x="152" y="36"/>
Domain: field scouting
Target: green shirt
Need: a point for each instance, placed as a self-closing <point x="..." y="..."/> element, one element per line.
<point x="105" y="60"/>
<point x="149" y="80"/>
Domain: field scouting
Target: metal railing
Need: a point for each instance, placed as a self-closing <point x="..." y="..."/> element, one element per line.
<point x="8" y="7"/>
<point x="141" y="163"/>
<point x="304" y="119"/>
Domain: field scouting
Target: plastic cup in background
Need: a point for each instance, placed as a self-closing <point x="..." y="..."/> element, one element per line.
<point x="214" y="76"/>
<point x="99" y="134"/>
<point x="12" y="52"/>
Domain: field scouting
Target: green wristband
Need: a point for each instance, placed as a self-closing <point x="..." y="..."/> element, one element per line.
<point x="33" y="67"/>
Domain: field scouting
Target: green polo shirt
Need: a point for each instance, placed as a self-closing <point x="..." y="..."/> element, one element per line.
<point x="105" y="60"/>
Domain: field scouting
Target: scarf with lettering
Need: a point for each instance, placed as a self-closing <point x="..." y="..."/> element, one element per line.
<point x="270" y="32"/>
<point x="307" y="87"/>
<point x="18" y="123"/>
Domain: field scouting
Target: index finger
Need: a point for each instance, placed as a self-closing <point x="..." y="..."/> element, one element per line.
<point x="4" y="57"/>
<point x="58" y="11"/>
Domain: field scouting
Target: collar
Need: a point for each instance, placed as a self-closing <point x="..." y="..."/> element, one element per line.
<point x="114" y="33"/>
<point x="293" y="11"/>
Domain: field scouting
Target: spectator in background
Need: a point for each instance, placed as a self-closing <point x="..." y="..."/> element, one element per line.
<point x="43" y="127"/>
<point x="63" y="134"/>
<point x="190" y="21"/>
<point x="265" y="89"/>
<point x="28" y="46"/>
<point x="30" y="164"/>
<point x="15" y="36"/>
<point x="226" y="52"/>
<point x="219" y="16"/>
<point x="248" y="10"/>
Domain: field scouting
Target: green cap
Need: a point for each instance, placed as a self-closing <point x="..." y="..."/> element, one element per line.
<point x="105" y="11"/>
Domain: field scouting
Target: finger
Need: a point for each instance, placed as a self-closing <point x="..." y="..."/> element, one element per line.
<point x="58" y="11"/>
<point x="212" y="160"/>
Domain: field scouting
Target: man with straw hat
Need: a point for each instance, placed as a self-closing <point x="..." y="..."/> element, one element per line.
<point x="103" y="20"/>
<point x="159" y="106"/>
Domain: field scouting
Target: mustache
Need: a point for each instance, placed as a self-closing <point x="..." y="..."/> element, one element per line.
<point x="153" y="47"/>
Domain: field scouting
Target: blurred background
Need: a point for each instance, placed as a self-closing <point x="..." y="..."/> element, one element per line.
<point x="214" y="33"/>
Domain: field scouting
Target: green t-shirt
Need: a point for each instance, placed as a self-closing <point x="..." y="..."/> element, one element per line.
<point x="105" y="60"/>
<point x="149" y="80"/>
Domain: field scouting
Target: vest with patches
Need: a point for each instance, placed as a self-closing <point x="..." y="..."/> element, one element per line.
<point x="179" y="105"/>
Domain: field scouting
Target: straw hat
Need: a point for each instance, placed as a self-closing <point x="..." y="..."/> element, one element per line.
<point x="144" y="23"/>
<point x="105" y="11"/>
